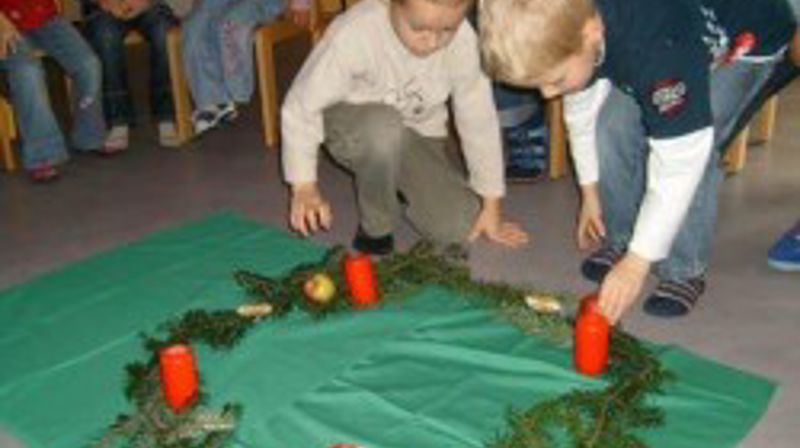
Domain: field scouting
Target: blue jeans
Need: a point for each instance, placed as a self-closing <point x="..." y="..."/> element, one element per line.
<point x="106" y="34"/>
<point x="218" y="48"/>
<point x="623" y="153"/>
<point x="42" y="141"/>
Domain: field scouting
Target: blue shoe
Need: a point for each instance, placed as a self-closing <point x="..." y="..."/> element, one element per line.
<point x="784" y="255"/>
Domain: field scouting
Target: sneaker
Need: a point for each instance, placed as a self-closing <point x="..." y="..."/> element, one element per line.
<point x="784" y="255"/>
<point x="43" y="173"/>
<point x="597" y="265"/>
<point x="117" y="140"/>
<point x="382" y="245"/>
<point x="206" y="119"/>
<point x="675" y="298"/>
<point x="167" y="134"/>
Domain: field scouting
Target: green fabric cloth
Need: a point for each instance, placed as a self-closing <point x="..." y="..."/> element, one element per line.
<point x="430" y="372"/>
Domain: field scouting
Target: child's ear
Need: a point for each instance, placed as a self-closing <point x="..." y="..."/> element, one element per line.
<point x="593" y="30"/>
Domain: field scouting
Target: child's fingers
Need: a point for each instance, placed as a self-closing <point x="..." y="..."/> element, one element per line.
<point x="297" y="220"/>
<point x="325" y="216"/>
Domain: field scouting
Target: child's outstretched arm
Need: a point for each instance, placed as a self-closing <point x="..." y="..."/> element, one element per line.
<point x="479" y="129"/>
<point x="322" y="82"/>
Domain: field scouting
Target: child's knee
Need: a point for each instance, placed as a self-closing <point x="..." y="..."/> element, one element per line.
<point x="383" y="129"/>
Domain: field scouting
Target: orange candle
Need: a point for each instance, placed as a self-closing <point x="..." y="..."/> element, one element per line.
<point x="360" y="278"/>
<point x="179" y="382"/>
<point x="591" y="338"/>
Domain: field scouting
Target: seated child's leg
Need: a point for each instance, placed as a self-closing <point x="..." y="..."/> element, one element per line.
<point x="202" y="59"/>
<point x="235" y="34"/>
<point x="63" y="42"/>
<point x="368" y="140"/>
<point x="42" y="141"/>
<point x="106" y="34"/>
<point x="155" y="24"/>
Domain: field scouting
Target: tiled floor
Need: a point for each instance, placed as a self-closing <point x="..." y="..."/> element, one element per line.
<point x="748" y="318"/>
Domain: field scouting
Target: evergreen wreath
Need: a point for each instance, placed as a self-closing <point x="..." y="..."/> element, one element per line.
<point x="601" y="418"/>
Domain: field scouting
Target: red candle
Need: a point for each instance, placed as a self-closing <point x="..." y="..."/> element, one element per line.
<point x="591" y="338"/>
<point x="178" y="376"/>
<point x="360" y="278"/>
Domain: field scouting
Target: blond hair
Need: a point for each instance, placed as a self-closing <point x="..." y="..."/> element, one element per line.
<point x="521" y="39"/>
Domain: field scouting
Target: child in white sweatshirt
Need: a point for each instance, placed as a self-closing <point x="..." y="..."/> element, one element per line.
<point x="375" y="91"/>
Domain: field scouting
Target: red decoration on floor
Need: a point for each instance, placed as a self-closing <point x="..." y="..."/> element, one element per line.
<point x="591" y="338"/>
<point x="361" y="281"/>
<point x="179" y="382"/>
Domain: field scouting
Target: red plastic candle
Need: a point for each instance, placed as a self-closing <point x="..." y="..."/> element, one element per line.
<point x="591" y="338"/>
<point x="360" y="278"/>
<point x="178" y="376"/>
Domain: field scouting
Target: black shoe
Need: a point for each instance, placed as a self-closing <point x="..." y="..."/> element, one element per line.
<point x="382" y="245"/>
<point x="675" y="298"/>
<point x="599" y="263"/>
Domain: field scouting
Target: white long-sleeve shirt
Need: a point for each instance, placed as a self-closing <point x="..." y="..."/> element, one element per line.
<point x="361" y="60"/>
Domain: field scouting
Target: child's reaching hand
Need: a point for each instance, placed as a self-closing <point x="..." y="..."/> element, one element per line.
<point x="299" y="12"/>
<point x="591" y="229"/>
<point x="309" y="212"/>
<point x="490" y="223"/>
<point x="9" y="36"/>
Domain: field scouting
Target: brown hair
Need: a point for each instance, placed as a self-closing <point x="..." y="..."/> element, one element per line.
<point x="521" y="39"/>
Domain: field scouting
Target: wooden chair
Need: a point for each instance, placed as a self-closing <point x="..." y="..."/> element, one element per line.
<point x="267" y="38"/>
<point x="759" y="131"/>
<point x="8" y="133"/>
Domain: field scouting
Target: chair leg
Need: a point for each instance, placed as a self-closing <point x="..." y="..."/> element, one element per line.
<point x="268" y="88"/>
<point x="558" y="138"/>
<point x="764" y="122"/>
<point x="8" y="133"/>
<point x="181" y="98"/>
<point x="736" y="154"/>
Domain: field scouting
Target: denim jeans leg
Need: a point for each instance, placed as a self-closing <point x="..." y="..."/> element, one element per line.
<point x="732" y="88"/>
<point x="201" y="53"/>
<point x="106" y="34"/>
<point x="622" y="156"/>
<point x="42" y="141"/>
<point x="235" y="37"/>
<point x="155" y="24"/>
<point x="60" y="40"/>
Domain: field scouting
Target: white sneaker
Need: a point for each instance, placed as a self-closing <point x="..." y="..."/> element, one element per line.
<point x="117" y="139"/>
<point x="206" y="119"/>
<point x="168" y="135"/>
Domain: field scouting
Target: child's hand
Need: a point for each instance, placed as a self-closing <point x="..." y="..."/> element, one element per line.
<point x="622" y="285"/>
<point x="299" y="11"/>
<point x="490" y="223"/>
<point x="309" y="212"/>
<point x="9" y="36"/>
<point x="133" y="8"/>
<point x="591" y="229"/>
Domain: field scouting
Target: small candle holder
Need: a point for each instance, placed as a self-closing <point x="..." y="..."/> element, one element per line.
<point x="361" y="281"/>
<point x="179" y="379"/>
<point x="591" y="338"/>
